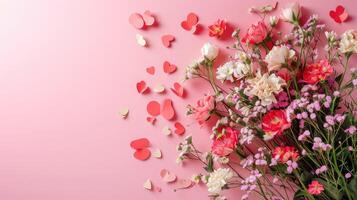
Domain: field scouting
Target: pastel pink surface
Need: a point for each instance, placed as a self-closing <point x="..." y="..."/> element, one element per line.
<point x="66" y="67"/>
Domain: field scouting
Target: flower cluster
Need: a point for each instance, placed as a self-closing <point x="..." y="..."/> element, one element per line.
<point x="287" y="113"/>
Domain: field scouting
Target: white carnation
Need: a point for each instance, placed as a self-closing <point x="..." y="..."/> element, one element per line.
<point x="218" y="179"/>
<point x="278" y="56"/>
<point x="241" y="69"/>
<point x="348" y="43"/>
<point x="225" y="72"/>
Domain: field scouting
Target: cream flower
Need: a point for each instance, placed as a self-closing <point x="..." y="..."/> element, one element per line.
<point x="241" y="69"/>
<point x="278" y="56"/>
<point x="291" y="13"/>
<point x="348" y="43"/>
<point x="209" y="51"/>
<point x="265" y="87"/>
<point x="225" y="72"/>
<point x="218" y="179"/>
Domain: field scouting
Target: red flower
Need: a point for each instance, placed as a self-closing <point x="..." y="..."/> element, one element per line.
<point x="315" y="188"/>
<point x="284" y="74"/>
<point x="274" y="123"/>
<point x="283" y="154"/>
<point x="225" y="143"/>
<point x="217" y="29"/>
<point x="316" y="72"/>
<point x="256" y="33"/>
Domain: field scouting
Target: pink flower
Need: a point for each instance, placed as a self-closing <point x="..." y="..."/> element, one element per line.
<point x="317" y="72"/>
<point x="284" y="74"/>
<point x="274" y="123"/>
<point x="203" y="109"/>
<point x="283" y="154"/>
<point x="315" y="188"/>
<point x="256" y="33"/>
<point x="225" y="143"/>
<point x="217" y="29"/>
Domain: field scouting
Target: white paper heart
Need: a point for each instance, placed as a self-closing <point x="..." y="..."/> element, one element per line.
<point x="141" y="40"/>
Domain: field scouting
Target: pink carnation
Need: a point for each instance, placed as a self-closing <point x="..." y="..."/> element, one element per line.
<point x="256" y="33"/>
<point x="225" y="143"/>
<point x="315" y="188"/>
<point x="203" y="109"/>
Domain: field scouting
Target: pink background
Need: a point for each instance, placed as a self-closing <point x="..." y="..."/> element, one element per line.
<point x="68" y="66"/>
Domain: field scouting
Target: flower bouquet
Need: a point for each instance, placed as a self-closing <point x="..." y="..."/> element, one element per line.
<point x="286" y="118"/>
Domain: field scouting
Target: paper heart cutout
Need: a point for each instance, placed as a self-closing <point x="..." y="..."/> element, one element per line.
<point x="190" y="22"/>
<point x="151" y="120"/>
<point x="124" y="112"/>
<point x="169" y="68"/>
<point x="183" y="184"/>
<point x="141" y="87"/>
<point x="153" y="108"/>
<point x="167" y="109"/>
<point x="339" y="15"/>
<point x="142" y="154"/>
<point x="149" y="18"/>
<point x="178" y="89"/>
<point x="150" y="70"/>
<point x="148" y="185"/>
<point x="167" y="176"/>
<point x="179" y="128"/>
<point x="159" y="88"/>
<point x="136" y="20"/>
<point x="166" y="131"/>
<point x="167" y="39"/>
<point x="140" y="40"/>
<point x="140" y="143"/>
<point x="157" y="153"/>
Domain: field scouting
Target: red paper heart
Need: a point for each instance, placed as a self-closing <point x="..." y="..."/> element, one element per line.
<point x="141" y="87"/>
<point x="140" y="143"/>
<point x="153" y="108"/>
<point x="167" y="110"/>
<point x="151" y="120"/>
<point x="167" y="176"/>
<point x="183" y="184"/>
<point x="190" y="22"/>
<point x="142" y="154"/>
<point x="179" y="128"/>
<point x="178" y="89"/>
<point x="136" y="20"/>
<point x="149" y="18"/>
<point x="167" y="39"/>
<point x="339" y="15"/>
<point x="169" y="68"/>
<point x="151" y="70"/>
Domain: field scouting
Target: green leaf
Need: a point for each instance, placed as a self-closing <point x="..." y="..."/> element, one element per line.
<point x="352" y="186"/>
<point x="299" y="195"/>
<point x="209" y="167"/>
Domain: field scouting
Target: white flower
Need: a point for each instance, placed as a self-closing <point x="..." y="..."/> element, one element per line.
<point x="241" y="69"/>
<point x="273" y="21"/>
<point x="278" y="56"/>
<point x="218" y="179"/>
<point x="225" y="72"/>
<point x="348" y="43"/>
<point x="192" y="69"/>
<point x="209" y="51"/>
<point x="264" y="87"/>
<point x="291" y="13"/>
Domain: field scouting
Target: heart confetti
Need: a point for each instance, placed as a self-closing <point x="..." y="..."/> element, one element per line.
<point x="339" y="15"/>
<point x="124" y="112"/>
<point x="151" y="120"/>
<point x="178" y="89"/>
<point x="169" y="68"/>
<point x="136" y="20"/>
<point x="179" y="128"/>
<point x="167" y="39"/>
<point x="149" y="18"/>
<point x="166" y="131"/>
<point x="167" y="110"/>
<point x="141" y="40"/>
<point x="141" y="87"/>
<point x="157" y="154"/>
<point x="150" y="70"/>
<point x="142" y="154"/>
<point x="159" y="88"/>
<point x="153" y="108"/>
<point x="167" y="176"/>
<point x="140" y="143"/>
<point x="148" y="185"/>
<point x="190" y="24"/>
<point x="183" y="184"/>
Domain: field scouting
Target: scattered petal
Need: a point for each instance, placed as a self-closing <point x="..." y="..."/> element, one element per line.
<point x="148" y="185"/>
<point x="167" y="110"/>
<point x="169" y="68"/>
<point x="167" y="176"/>
<point x="124" y="112"/>
<point x="150" y="70"/>
<point x="179" y="128"/>
<point x="178" y="89"/>
<point x="166" y="131"/>
<point x="167" y="39"/>
<point x="157" y="154"/>
<point x="190" y="24"/>
<point x="151" y="120"/>
<point x="141" y="87"/>
<point x="136" y="20"/>
<point x="153" y="108"/>
<point x="157" y="189"/>
<point x="142" y="154"/>
<point x="263" y="9"/>
<point x="149" y="18"/>
<point x="183" y="184"/>
<point x="159" y="88"/>
<point x="140" y="143"/>
<point x="140" y="40"/>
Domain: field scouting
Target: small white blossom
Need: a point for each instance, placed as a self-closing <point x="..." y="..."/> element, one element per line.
<point x="218" y="179"/>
